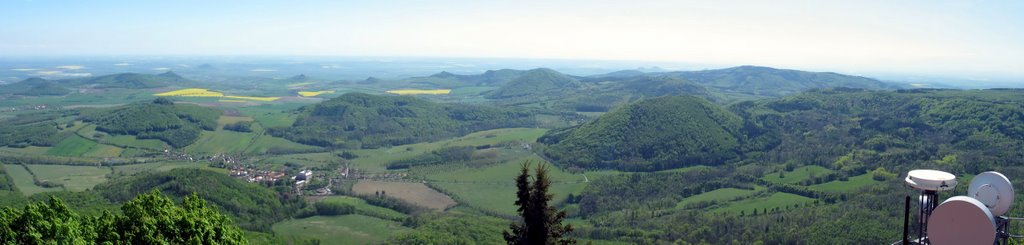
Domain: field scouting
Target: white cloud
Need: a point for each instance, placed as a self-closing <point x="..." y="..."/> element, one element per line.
<point x="161" y="69"/>
<point x="122" y="64"/>
<point x="71" y="67"/>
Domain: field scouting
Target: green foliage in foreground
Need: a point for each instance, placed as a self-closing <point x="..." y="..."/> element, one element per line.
<point x="453" y="229"/>
<point x="147" y="219"/>
<point x="541" y="223"/>
<point x="357" y="120"/>
<point x="177" y="124"/>
<point x="253" y="207"/>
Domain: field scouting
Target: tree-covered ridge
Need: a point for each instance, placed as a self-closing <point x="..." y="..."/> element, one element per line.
<point x="357" y="120"/>
<point x="147" y="219"/>
<point x="253" y="207"/>
<point x="131" y="80"/>
<point x="766" y="81"/>
<point x="34" y="87"/>
<point x="659" y="133"/>
<point x="177" y="124"/>
<point x="36" y="129"/>
<point x="813" y="128"/>
<point x="847" y="132"/>
<point x="536" y="82"/>
<point x="43" y="87"/>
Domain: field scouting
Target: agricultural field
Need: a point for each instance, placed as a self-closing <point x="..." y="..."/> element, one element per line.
<point x="72" y="147"/>
<point x="221" y="141"/>
<point x="365" y="208"/>
<point x="374" y="160"/>
<point x="123" y="141"/>
<point x="125" y="170"/>
<point x="271" y="115"/>
<point x="797" y="175"/>
<point x="34" y="150"/>
<point x="101" y="150"/>
<point x="191" y="92"/>
<point x="314" y="93"/>
<point x="852" y="184"/>
<point x="74" y="178"/>
<point x="24" y="181"/>
<point x="420" y="91"/>
<point x="225" y="120"/>
<point x="202" y="92"/>
<point x="345" y="229"/>
<point x="717" y="195"/>
<point x="415" y="193"/>
<point x="780" y="200"/>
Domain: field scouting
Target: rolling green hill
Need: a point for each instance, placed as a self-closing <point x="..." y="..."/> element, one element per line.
<point x="771" y="82"/>
<point x="177" y="124"/>
<point x="657" y="133"/>
<point x="34" y="87"/>
<point x="253" y="207"/>
<point x="132" y="80"/>
<point x="536" y="82"/>
<point x="42" y="87"/>
<point x="357" y="120"/>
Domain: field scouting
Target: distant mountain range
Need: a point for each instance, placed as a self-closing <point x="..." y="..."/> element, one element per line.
<point x="602" y="92"/>
<point x="42" y="87"/>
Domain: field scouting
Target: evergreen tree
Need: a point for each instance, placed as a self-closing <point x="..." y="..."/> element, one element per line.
<point x="541" y="224"/>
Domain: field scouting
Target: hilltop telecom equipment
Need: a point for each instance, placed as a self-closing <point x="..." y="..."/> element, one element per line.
<point x="972" y="219"/>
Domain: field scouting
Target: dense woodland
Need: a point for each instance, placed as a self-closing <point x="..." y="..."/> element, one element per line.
<point x="850" y="131"/>
<point x="149" y="218"/>
<point x="177" y="124"/>
<point x="357" y="120"/>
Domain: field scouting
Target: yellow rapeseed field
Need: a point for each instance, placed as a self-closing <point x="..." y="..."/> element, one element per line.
<point x="314" y="93"/>
<point x="233" y="101"/>
<point x="252" y="98"/>
<point x="420" y="91"/>
<point x="202" y="92"/>
<point x="192" y="92"/>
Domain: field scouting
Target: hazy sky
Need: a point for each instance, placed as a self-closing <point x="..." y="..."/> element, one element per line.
<point x="978" y="39"/>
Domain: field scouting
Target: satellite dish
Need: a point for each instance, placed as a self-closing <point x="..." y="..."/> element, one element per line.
<point x="931" y="180"/>
<point x="994" y="190"/>
<point x="961" y="220"/>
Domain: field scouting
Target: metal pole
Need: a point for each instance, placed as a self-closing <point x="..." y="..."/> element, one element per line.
<point x="906" y="221"/>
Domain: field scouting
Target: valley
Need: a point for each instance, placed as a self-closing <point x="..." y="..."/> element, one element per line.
<point x="635" y="157"/>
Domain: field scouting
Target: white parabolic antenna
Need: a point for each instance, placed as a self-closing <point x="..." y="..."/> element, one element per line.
<point x="994" y="190"/>
<point x="931" y="180"/>
<point x="961" y="220"/>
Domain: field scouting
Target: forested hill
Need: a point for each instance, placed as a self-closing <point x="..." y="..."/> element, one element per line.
<point x="34" y="87"/>
<point x="357" y="120"/>
<point x="536" y="82"/>
<point x="893" y="128"/>
<point x="177" y="124"/>
<point x="42" y="87"/>
<point x="657" y="133"/>
<point x="767" y="81"/>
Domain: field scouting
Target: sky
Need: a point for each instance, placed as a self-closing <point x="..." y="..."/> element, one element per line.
<point x="970" y="39"/>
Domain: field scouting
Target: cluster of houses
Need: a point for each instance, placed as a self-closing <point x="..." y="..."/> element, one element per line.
<point x="254" y="175"/>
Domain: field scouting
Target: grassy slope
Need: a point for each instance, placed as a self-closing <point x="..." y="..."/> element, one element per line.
<point x="23" y="180"/>
<point x="365" y="208"/>
<point x="797" y="175"/>
<point x="74" y="178"/>
<point x="854" y="183"/>
<point x="346" y="229"/>
<point x="72" y="146"/>
<point x="723" y="194"/>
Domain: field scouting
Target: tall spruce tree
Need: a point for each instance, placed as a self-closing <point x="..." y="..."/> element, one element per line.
<point x="541" y="224"/>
